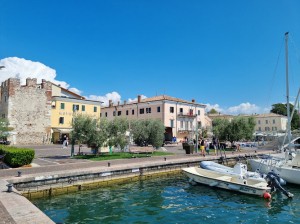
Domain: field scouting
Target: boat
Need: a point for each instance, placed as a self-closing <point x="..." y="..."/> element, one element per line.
<point x="287" y="163"/>
<point x="227" y="181"/>
<point x="238" y="169"/>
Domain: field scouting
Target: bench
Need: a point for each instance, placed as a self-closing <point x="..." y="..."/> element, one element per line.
<point x="141" y="150"/>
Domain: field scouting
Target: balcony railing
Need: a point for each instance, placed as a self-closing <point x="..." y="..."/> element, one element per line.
<point x="191" y="115"/>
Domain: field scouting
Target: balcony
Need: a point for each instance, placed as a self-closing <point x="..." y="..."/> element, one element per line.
<point x="189" y="115"/>
<point x="185" y="130"/>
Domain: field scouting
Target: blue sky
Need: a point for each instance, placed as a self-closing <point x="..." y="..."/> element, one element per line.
<point x="227" y="54"/>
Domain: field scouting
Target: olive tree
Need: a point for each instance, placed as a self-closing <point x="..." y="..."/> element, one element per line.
<point x="148" y="132"/>
<point x="117" y="133"/>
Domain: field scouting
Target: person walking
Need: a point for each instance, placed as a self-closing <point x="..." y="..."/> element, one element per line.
<point x="202" y="147"/>
<point x="206" y="147"/>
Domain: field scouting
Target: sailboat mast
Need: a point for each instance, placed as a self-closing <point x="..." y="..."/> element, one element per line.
<point x="287" y="89"/>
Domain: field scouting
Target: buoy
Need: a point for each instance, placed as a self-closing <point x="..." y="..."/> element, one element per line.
<point x="267" y="195"/>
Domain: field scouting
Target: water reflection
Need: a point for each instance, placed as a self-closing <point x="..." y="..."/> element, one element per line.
<point x="168" y="200"/>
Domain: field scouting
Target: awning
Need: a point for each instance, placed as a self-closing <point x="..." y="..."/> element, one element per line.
<point x="62" y="130"/>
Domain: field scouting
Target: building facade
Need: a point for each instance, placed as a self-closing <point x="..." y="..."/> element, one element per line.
<point x="270" y="122"/>
<point x="181" y="118"/>
<point x="41" y="113"/>
<point x="28" y="110"/>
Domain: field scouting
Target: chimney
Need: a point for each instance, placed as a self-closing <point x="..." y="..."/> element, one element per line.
<point x="125" y="102"/>
<point x="118" y="103"/>
<point x="110" y="103"/>
<point x="139" y="98"/>
<point x="193" y="100"/>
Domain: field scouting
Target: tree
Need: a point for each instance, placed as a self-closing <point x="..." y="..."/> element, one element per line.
<point x="280" y="108"/>
<point x="220" y="128"/>
<point x="213" y="111"/>
<point x="83" y="128"/>
<point x="237" y="129"/>
<point x="4" y="129"/>
<point x="148" y="132"/>
<point x="117" y="133"/>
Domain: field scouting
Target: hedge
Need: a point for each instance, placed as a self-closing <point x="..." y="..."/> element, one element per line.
<point x="16" y="157"/>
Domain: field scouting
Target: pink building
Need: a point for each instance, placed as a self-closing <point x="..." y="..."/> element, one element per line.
<point x="181" y="117"/>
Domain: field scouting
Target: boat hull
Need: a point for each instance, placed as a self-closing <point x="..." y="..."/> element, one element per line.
<point x="286" y="172"/>
<point x="228" y="182"/>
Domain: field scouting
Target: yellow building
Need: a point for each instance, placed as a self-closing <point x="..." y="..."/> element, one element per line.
<point x="65" y="105"/>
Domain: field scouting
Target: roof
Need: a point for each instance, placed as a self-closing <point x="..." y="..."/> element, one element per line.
<point x="162" y="98"/>
<point x="269" y="115"/>
<point x="68" y="91"/>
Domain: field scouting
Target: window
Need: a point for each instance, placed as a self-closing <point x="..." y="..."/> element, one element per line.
<point x="95" y="109"/>
<point x="142" y="111"/>
<point x="191" y="112"/>
<point x="5" y="98"/>
<point x="258" y="121"/>
<point x="172" y="123"/>
<point x="61" y="120"/>
<point x="148" y="110"/>
<point x="127" y="112"/>
<point x="198" y="112"/>
<point x="180" y="110"/>
<point x="100" y="114"/>
<point x="186" y="125"/>
<point x="158" y="109"/>
<point x="62" y="106"/>
<point x="181" y="124"/>
<point x="171" y="109"/>
<point x="3" y="115"/>
<point x="83" y="108"/>
<point x="75" y="107"/>
<point x="114" y="113"/>
<point x="199" y="124"/>
<point x="267" y="122"/>
<point x="259" y="128"/>
<point x="119" y="113"/>
<point x="132" y="112"/>
<point x="274" y="121"/>
<point x="191" y="125"/>
<point x="275" y="128"/>
<point x="105" y="114"/>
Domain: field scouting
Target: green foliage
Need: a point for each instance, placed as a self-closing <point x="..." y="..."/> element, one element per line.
<point x="117" y="132"/>
<point x="148" y="132"/>
<point x="238" y="129"/>
<point x="120" y="155"/>
<point x="213" y="111"/>
<point x="4" y="128"/>
<point x="16" y="157"/>
<point x="281" y="108"/>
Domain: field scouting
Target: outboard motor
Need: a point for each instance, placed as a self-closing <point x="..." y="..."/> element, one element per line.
<point x="273" y="181"/>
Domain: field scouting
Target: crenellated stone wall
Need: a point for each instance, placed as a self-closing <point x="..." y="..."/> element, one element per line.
<point x="28" y="110"/>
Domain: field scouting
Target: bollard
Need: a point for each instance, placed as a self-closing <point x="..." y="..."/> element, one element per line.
<point x="108" y="164"/>
<point x="9" y="187"/>
<point x="19" y="173"/>
<point x="165" y="159"/>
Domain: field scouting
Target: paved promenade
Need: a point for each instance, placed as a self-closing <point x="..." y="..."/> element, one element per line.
<point x="54" y="160"/>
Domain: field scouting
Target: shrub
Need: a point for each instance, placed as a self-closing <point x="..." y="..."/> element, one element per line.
<point x="16" y="157"/>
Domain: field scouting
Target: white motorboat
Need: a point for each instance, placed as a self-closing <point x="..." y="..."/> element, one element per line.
<point x="239" y="169"/>
<point x="287" y="167"/>
<point x="227" y="181"/>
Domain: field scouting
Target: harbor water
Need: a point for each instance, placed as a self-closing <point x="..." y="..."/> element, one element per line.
<point x="169" y="200"/>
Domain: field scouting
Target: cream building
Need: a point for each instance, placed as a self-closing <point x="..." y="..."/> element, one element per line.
<point x="270" y="123"/>
<point x="180" y="117"/>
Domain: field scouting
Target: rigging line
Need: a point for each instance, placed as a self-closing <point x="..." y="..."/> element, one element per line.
<point x="274" y="74"/>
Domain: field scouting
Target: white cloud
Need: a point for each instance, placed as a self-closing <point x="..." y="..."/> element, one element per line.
<point x="114" y="96"/>
<point x="23" y="69"/>
<point x="244" y="108"/>
<point x="215" y="106"/>
<point x="135" y="99"/>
